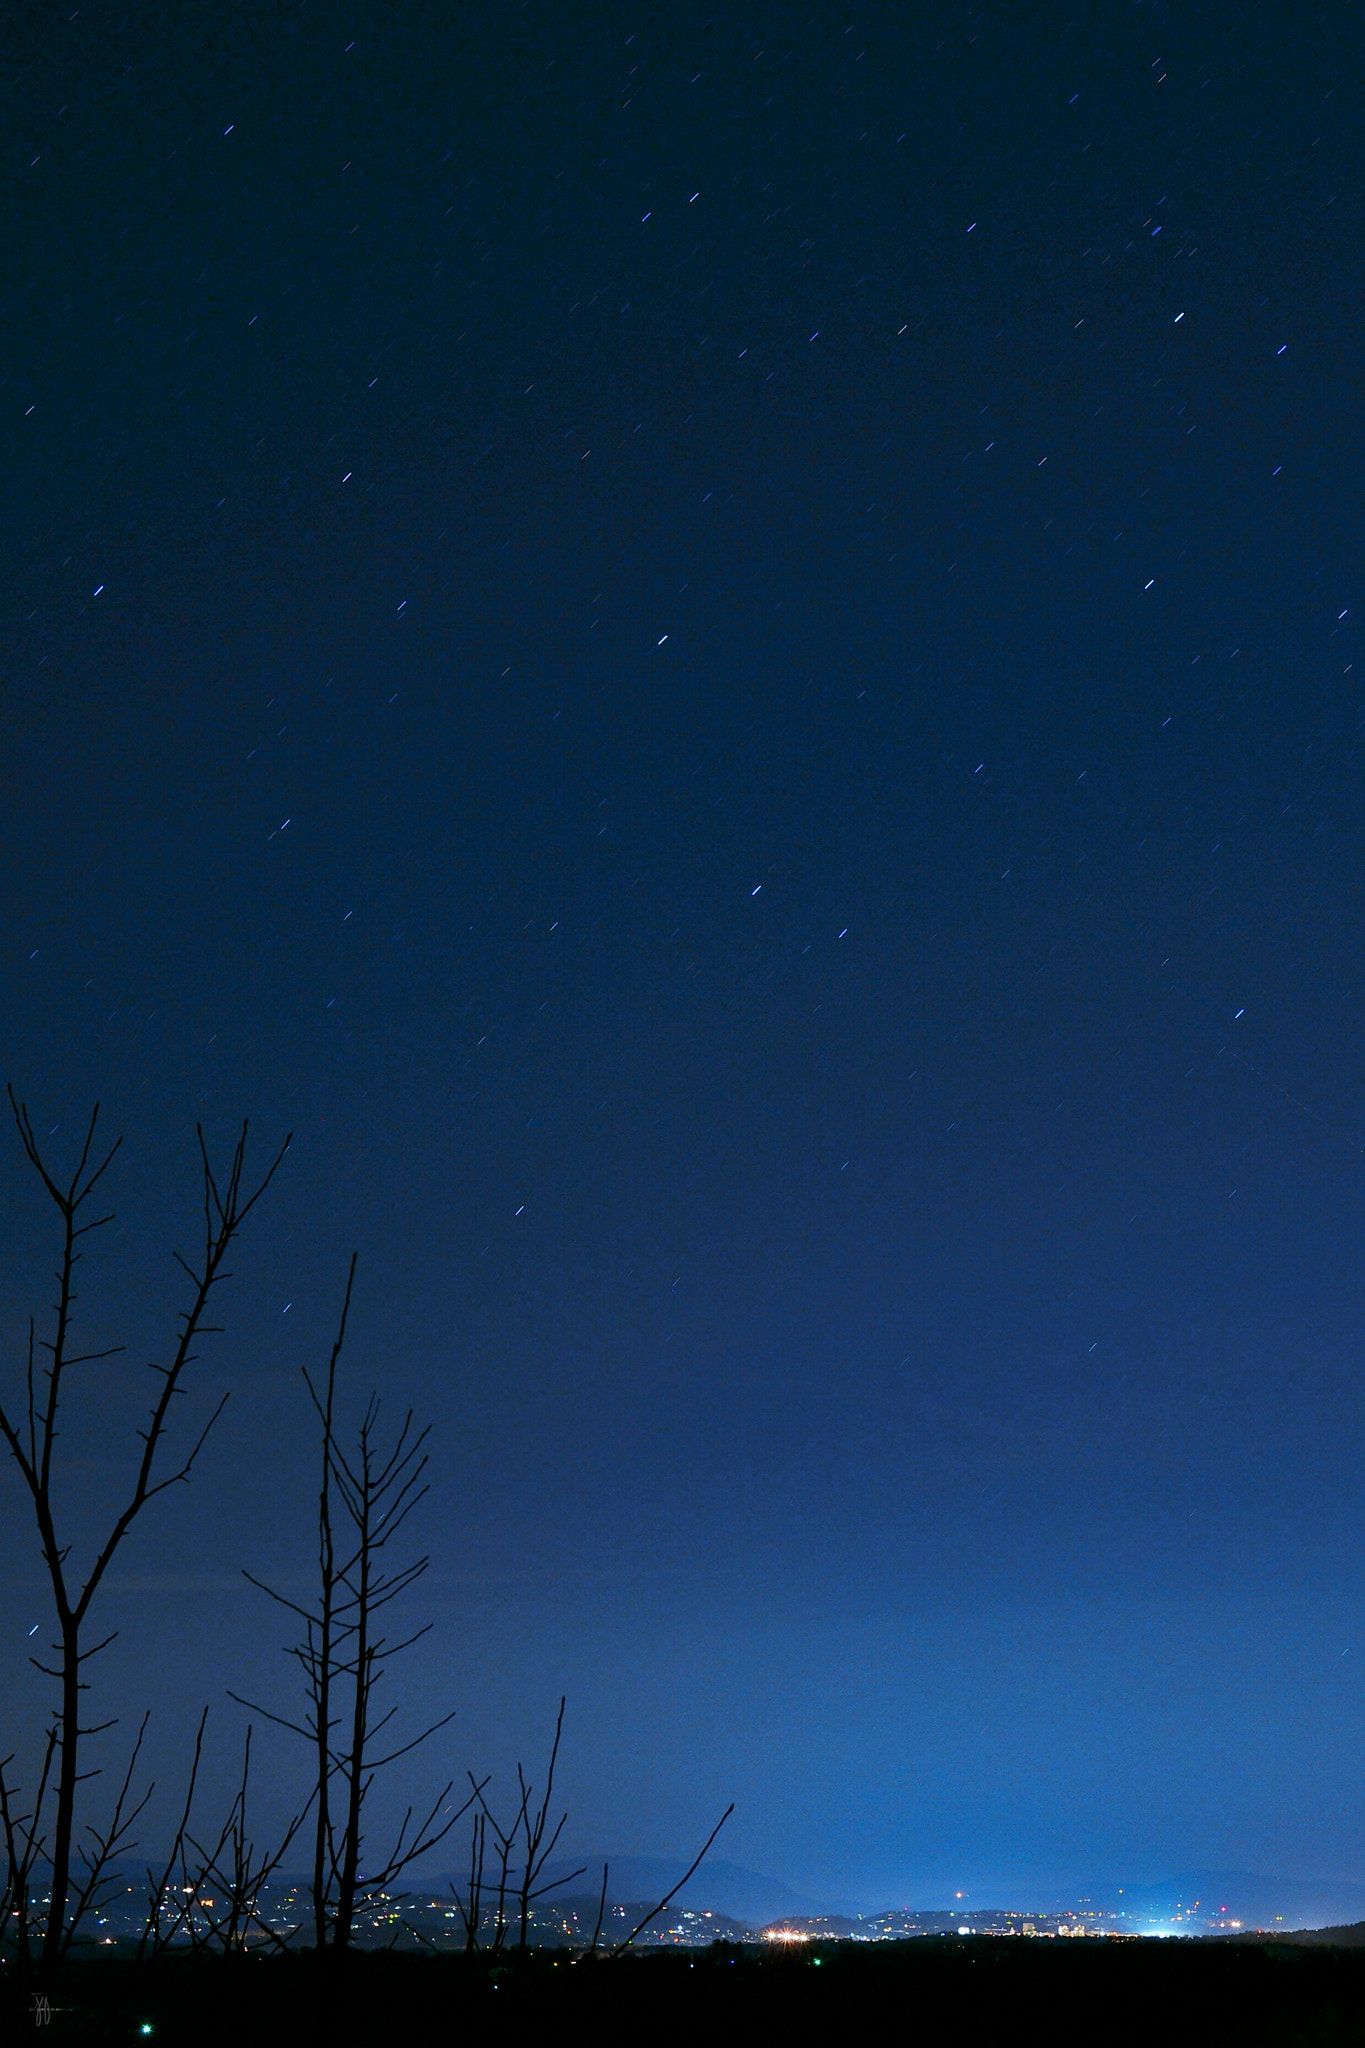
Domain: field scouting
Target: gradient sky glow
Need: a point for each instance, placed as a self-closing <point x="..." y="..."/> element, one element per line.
<point x="716" y="650"/>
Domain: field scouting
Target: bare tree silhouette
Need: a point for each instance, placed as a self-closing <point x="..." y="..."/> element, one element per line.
<point x="521" y="1851"/>
<point x="364" y="1498"/>
<point x="32" y="1441"/>
<point x="524" y="1847"/>
<point x="236" y="1871"/>
<point x="24" y="1847"/>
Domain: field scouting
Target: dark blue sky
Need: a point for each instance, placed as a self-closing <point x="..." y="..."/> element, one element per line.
<point x="715" y="650"/>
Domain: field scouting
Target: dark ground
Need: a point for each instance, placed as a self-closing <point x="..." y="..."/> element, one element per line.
<point x="932" y="1991"/>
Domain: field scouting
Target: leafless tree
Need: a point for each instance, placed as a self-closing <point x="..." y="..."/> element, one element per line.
<point x="24" y="1846"/>
<point x="523" y="1850"/>
<point x="168" y="1911"/>
<point x="97" y="1857"/>
<point x="364" y="1498"/>
<point x="223" y="1886"/>
<point x="32" y="1441"/>
<point x="469" y="1904"/>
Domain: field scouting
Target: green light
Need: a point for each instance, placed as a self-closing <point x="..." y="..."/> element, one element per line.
<point x="146" y="2027"/>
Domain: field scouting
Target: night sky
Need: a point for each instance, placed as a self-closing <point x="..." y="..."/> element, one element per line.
<point x="714" y="649"/>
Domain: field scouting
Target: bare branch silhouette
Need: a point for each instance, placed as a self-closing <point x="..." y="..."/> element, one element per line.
<point x="601" y="1909"/>
<point x="114" y="1840"/>
<point x="32" y="1438"/>
<point x="156" y="1935"/>
<point x="24" y="1848"/>
<point x="668" y="1897"/>
<point x="523" y="1851"/>
<point x="236" y="1870"/>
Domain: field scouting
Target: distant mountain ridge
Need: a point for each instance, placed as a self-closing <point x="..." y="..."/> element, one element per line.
<point x="718" y="1887"/>
<point x="1249" y="1897"/>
